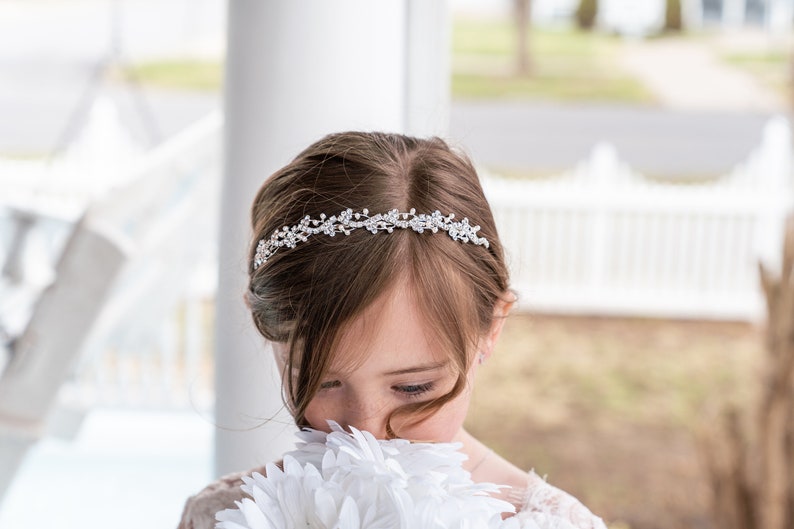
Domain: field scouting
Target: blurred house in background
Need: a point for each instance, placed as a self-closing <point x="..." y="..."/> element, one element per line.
<point x="646" y="17"/>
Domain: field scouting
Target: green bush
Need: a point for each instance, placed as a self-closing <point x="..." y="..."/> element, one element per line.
<point x="586" y="14"/>
<point x="672" y="16"/>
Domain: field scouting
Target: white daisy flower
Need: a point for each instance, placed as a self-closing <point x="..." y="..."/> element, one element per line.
<point x="347" y="480"/>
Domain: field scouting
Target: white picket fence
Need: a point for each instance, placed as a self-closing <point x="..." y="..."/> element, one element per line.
<point x="602" y="239"/>
<point x="599" y="239"/>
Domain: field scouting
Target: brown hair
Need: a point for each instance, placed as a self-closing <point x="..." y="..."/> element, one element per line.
<point x="305" y="296"/>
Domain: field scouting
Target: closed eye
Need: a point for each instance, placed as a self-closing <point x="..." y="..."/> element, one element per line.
<point x="413" y="390"/>
<point x="330" y="384"/>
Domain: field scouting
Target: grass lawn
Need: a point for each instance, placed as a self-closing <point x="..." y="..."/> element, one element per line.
<point x="199" y="75"/>
<point x="567" y="65"/>
<point x="609" y="408"/>
<point x="771" y="67"/>
<point x="26" y="156"/>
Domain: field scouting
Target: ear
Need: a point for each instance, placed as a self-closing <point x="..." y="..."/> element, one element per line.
<point x="501" y="309"/>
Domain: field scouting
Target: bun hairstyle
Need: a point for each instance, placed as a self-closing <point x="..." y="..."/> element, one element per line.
<point x="306" y="296"/>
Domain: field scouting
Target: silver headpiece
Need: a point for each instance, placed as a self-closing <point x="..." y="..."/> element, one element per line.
<point x="348" y="221"/>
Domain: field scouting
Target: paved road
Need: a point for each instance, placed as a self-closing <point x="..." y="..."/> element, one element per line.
<point x="35" y="110"/>
<point x="551" y="137"/>
<point x="534" y="136"/>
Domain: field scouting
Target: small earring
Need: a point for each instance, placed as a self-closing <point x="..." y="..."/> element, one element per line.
<point x="480" y="357"/>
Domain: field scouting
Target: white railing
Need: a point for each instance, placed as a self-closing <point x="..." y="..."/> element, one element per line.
<point x="151" y="344"/>
<point x="603" y="239"/>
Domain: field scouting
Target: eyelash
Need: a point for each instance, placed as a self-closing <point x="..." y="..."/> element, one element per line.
<point x="414" y="390"/>
<point x="410" y="390"/>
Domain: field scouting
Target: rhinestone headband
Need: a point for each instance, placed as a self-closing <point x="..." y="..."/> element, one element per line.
<point x="347" y="221"/>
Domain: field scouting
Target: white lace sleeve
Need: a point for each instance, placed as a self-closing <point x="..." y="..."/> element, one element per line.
<point x="545" y="500"/>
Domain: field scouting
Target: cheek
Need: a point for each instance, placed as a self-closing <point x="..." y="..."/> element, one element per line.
<point x="444" y="425"/>
<point x="317" y="415"/>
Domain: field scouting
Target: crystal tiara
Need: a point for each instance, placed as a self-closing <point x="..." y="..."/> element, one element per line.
<point x="348" y="221"/>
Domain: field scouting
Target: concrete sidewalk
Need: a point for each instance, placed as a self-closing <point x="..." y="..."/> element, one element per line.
<point x="688" y="74"/>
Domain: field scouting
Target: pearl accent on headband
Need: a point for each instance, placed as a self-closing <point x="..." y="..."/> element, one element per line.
<point x="347" y="221"/>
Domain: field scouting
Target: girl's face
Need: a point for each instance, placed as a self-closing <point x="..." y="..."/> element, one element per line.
<point x="385" y="361"/>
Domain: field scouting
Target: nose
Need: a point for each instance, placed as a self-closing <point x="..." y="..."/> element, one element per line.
<point x="365" y="414"/>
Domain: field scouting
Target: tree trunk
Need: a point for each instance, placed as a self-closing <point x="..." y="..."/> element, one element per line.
<point x="752" y="476"/>
<point x="522" y="14"/>
<point x="777" y="472"/>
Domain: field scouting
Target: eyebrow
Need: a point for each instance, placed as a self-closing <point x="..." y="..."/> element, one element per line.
<point x="417" y="369"/>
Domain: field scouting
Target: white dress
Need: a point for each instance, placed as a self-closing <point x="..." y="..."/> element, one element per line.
<point x="539" y="501"/>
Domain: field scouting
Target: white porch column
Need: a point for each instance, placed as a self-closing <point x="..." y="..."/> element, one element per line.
<point x="779" y="17"/>
<point x="296" y="71"/>
<point x="733" y="13"/>
<point x="692" y="13"/>
<point x="427" y="41"/>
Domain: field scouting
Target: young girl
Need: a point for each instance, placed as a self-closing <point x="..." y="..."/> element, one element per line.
<point x="378" y="274"/>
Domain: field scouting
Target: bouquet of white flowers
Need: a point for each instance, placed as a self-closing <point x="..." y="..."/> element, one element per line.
<point x="347" y="480"/>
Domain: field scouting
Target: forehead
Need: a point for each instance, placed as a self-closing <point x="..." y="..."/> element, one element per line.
<point x="391" y="334"/>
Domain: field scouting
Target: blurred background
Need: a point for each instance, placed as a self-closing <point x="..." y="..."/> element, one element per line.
<point x="637" y="155"/>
